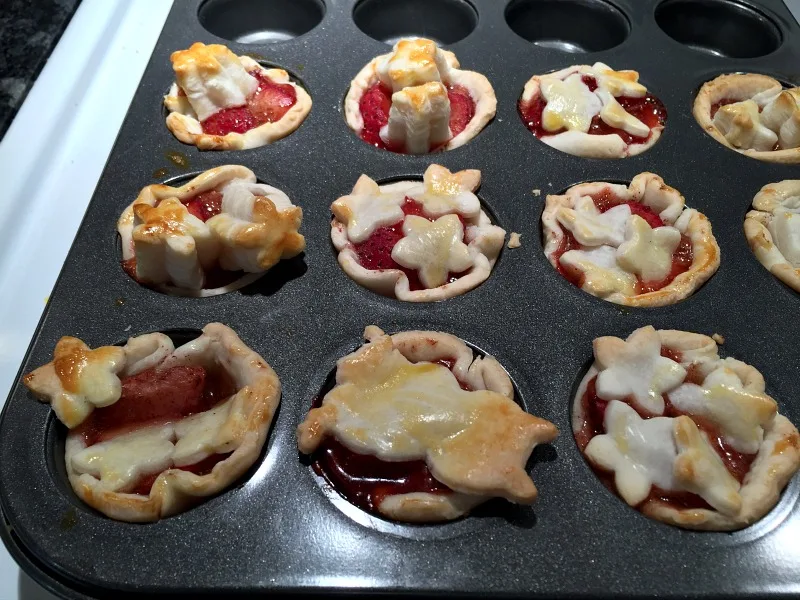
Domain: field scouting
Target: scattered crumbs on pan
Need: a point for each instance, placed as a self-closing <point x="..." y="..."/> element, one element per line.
<point x="718" y="338"/>
<point x="160" y="173"/>
<point x="119" y="301"/>
<point x="549" y="184"/>
<point x="537" y="192"/>
<point x="128" y="328"/>
<point x="179" y="159"/>
<point x="514" y="241"/>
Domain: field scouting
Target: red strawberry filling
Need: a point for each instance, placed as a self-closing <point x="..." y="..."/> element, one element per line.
<point x="366" y="480"/>
<point x="375" y="253"/>
<point x="377" y="100"/>
<point x="594" y="407"/>
<point x="648" y="109"/>
<point x="682" y="258"/>
<point x="268" y="104"/>
<point x="155" y="397"/>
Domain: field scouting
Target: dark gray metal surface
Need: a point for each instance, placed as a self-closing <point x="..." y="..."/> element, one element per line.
<point x="277" y="530"/>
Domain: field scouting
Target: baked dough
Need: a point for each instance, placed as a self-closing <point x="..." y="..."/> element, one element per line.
<point x="575" y="106"/>
<point x="475" y="442"/>
<point x="217" y="79"/>
<point x="430" y="246"/>
<point x="619" y="246"/>
<point x="763" y="115"/>
<point x="772" y="229"/>
<point x="256" y="228"/>
<point x="80" y="380"/>
<point x="672" y="452"/>
<point x="417" y="71"/>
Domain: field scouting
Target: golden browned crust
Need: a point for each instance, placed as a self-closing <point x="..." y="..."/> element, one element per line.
<point x="739" y="87"/>
<point x="760" y="239"/>
<point x="706" y="252"/>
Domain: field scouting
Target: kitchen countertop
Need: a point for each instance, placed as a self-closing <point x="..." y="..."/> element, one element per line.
<point x="29" y="30"/>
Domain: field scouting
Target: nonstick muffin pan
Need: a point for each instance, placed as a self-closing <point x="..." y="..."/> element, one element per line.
<point x="278" y="529"/>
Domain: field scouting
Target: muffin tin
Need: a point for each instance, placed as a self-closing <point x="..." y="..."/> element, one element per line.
<point x="278" y="529"/>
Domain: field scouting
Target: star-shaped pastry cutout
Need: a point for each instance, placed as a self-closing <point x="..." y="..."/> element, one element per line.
<point x="740" y="414"/>
<point x="634" y="368"/>
<point x="78" y="379"/>
<point x="601" y="275"/>
<point x="640" y="452"/>
<point x="593" y="228"/>
<point x="446" y="192"/>
<point x="366" y="209"/>
<point x="647" y="251"/>
<point x="433" y="249"/>
<point x="570" y="104"/>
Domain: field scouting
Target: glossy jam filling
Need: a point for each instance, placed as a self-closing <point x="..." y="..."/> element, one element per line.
<point x="203" y="206"/>
<point x="267" y="104"/>
<point x="153" y="398"/>
<point x="376" y="101"/>
<point x="594" y="409"/>
<point x="365" y="480"/>
<point x="682" y="258"/>
<point x="375" y="253"/>
<point x="648" y="109"/>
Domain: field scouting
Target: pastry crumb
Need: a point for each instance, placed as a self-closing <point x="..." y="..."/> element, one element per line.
<point x="718" y="338"/>
<point x="128" y="328"/>
<point x="514" y="241"/>
<point x="537" y="192"/>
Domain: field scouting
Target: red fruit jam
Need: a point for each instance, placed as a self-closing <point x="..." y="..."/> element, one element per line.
<point x="268" y="104"/>
<point x="377" y="100"/>
<point x="205" y="205"/>
<point x="155" y="397"/>
<point x="366" y="480"/>
<point x="375" y="253"/>
<point x="594" y="408"/>
<point x="648" y="109"/>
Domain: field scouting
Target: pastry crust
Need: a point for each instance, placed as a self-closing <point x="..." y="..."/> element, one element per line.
<point x="582" y="144"/>
<point x="287" y="245"/>
<point x="480" y="90"/>
<point x="484" y="241"/>
<point x="480" y="373"/>
<point x="770" y="197"/>
<point x="739" y="87"/>
<point x="651" y="190"/>
<point x="778" y="457"/>
<point x="242" y="433"/>
<point x="182" y="120"/>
